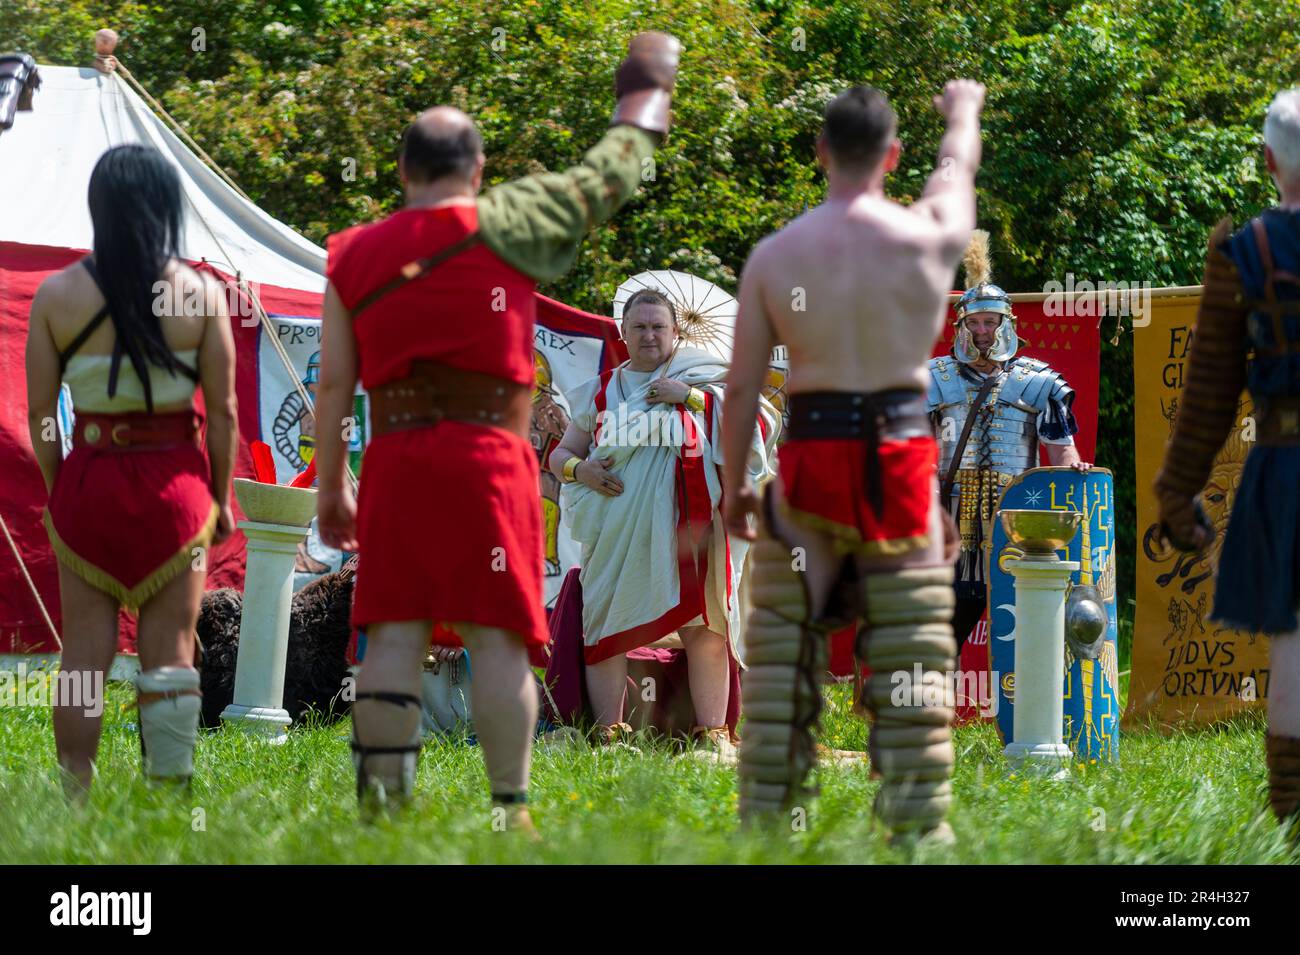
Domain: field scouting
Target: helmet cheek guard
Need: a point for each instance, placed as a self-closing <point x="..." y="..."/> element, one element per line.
<point x="1006" y="341"/>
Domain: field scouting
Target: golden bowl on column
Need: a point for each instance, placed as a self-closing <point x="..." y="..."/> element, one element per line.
<point x="1040" y="534"/>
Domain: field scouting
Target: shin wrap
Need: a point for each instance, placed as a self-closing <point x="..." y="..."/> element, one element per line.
<point x="376" y="790"/>
<point x="781" y="691"/>
<point x="1282" y="754"/>
<point x="909" y="632"/>
<point x="169" y="700"/>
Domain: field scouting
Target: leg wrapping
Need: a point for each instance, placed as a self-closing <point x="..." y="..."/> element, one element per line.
<point x="376" y="790"/>
<point x="1283" y="758"/>
<point x="781" y="694"/>
<point x="910" y="650"/>
<point x="170" y="701"/>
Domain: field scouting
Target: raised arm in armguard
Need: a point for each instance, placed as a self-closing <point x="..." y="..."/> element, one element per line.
<point x="536" y="223"/>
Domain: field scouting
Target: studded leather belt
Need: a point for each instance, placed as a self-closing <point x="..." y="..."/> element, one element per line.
<point x="135" y="431"/>
<point x="435" y="392"/>
<point x="893" y="415"/>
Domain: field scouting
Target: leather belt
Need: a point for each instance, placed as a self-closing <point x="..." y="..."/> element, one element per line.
<point x="893" y="415"/>
<point x="135" y="431"/>
<point x="435" y="392"/>
<point x="1279" y="425"/>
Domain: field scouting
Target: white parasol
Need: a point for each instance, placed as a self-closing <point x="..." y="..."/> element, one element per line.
<point x="706" y="315"/>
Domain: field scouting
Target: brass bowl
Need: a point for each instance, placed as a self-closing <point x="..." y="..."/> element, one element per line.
<point x="275" y="503"/>
<point x="1040" y="534"/>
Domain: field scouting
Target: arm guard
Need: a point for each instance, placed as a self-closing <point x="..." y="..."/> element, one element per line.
<point x="289" y="414"/>
<point x="536" y="224"/>
<point x="1216" y="374"/>
<point x="644" y="82"/>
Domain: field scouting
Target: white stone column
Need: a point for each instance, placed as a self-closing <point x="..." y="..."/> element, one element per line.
<point x="258" y="704"/>
<point x="1037" y="723"/>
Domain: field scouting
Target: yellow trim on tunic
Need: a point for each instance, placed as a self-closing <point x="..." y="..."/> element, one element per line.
<point x="132" y="598"/>
<point x="848" y="540"/>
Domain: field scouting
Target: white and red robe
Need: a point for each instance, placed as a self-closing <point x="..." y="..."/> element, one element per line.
<point x="657" y="557"/>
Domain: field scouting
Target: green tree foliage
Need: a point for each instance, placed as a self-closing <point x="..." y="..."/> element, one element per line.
<point x="1116" y="134"/>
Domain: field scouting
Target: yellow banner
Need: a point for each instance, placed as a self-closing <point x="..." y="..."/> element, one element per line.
<point x="1185" y="668"/>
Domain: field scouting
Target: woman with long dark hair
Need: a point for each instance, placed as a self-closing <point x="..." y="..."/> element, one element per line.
<point x="132" y="331"/>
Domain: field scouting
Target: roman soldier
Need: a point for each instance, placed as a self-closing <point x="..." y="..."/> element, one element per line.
<point x="991" y="411"/>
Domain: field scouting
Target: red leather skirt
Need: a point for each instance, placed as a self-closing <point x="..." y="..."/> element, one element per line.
<point x="128" y="515"/>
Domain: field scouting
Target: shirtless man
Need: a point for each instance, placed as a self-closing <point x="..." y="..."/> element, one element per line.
<point x="857" y="289"/>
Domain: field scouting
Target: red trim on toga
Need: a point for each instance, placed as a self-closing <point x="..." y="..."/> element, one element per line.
<point x="694" y="524"/>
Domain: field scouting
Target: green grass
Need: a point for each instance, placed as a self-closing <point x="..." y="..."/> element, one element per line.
<point x="1188" y="798"/>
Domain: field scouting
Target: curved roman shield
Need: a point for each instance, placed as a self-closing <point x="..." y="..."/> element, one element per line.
<point x="1091" y="690"/>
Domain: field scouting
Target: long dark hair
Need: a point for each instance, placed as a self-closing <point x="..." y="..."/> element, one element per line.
<point x="135" y="205"/>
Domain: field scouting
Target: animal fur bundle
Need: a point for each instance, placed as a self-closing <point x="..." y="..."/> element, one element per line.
<point x="316" y="664"/>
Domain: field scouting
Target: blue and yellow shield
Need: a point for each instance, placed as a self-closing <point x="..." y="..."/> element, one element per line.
<point x="1091" y="725"/>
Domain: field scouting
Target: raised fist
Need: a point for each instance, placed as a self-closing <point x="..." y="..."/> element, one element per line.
<point x="959" y="96"/>
<point x="651" y="63"/>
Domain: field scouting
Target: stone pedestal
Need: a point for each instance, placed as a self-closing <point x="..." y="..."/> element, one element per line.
<point x="1039" y="747"/>
<point x="258" y="704"/>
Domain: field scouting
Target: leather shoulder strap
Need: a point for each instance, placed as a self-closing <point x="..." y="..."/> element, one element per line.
<point x="417" y="269"/>
<point x="1265" y="254"/>
<point x="945" y="491"/>
<point x="95" y="321"/>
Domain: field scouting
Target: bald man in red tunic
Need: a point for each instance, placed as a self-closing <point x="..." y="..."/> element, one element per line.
<point x="433" y="308"/>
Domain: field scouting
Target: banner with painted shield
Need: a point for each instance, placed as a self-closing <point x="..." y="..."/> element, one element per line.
<point x="571" y="347"/>
<point x="1091" y="724"/>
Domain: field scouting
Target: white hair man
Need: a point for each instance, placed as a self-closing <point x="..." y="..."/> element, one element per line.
<point x="1251" y="301"/>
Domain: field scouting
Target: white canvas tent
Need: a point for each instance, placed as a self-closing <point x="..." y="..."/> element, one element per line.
<point x="79" y="113"/>
<point x="46" y="159"/>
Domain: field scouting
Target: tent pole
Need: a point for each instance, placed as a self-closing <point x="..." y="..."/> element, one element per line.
<point x="22" y="565"/>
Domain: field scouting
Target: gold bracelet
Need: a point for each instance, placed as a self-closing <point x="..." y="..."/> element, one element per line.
<point x="695" y="400"/>
<point x="570" y="469"/>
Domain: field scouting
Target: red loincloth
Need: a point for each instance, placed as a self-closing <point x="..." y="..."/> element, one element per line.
<point x="127" y="522"/>
<point x="825" y="488"/>
<point x="448" y="517"/>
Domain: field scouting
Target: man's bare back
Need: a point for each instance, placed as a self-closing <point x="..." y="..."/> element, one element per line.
<point x="855" y="288"/>
<point x="857" y="291"/>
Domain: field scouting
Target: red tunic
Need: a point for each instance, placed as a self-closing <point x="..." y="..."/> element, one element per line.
<point x="448" y="517"/>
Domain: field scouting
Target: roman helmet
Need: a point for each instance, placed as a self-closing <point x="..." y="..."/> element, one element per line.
<point x="313" y="370"/>
<point x="983" y="296"/>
